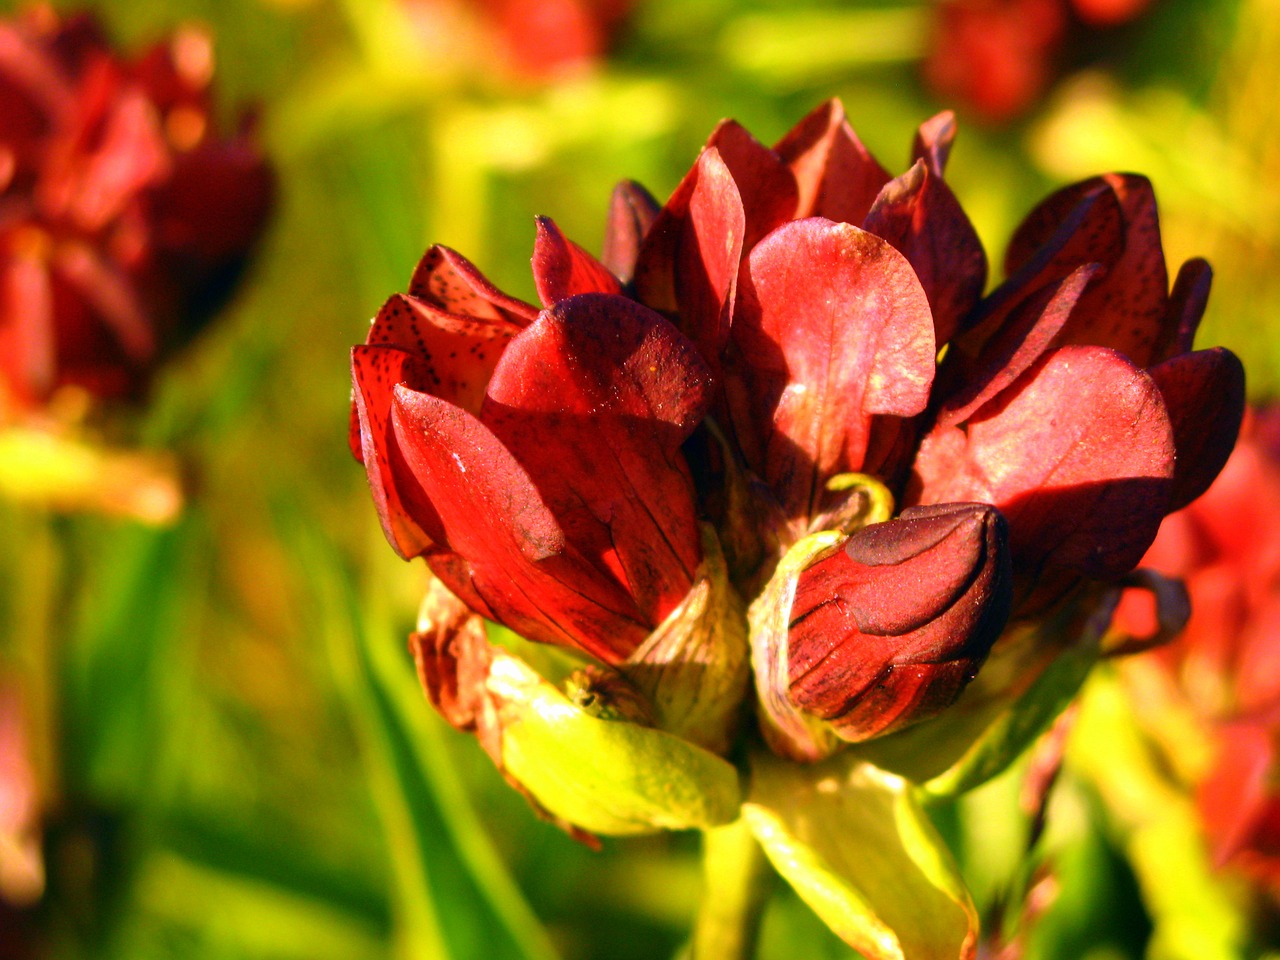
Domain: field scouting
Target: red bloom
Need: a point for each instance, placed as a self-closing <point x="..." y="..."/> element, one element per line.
<point x="533" y="41"/>
<point x="997" y="57"/>
<point x="123" y="216"/>
<point x="538" y="459"/>
<point x="1226" y="547"/>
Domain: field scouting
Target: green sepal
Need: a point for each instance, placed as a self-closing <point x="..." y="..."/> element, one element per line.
<point x="858" y="849"/>
<point x="606" y="776"/>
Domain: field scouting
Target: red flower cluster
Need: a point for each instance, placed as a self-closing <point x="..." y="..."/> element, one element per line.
<point x="124" y="217"/>
<point x="534" y="41"/>
<point x="792" y="320"/>
<point x="999" y="56"/>
<point x="1226" y="547"/>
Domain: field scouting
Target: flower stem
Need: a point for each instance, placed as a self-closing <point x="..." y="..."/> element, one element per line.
<point x="736" y="883"/>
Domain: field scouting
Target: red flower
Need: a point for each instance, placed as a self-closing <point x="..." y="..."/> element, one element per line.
<point x="532" y="41"/>
<point x="124" y="218"/>
<point x="998" y="57"/>
<point x="1226" y="547"/>
<point x="537" y="459"/>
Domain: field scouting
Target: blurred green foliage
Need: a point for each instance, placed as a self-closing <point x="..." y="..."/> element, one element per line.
<point x="237" y="758"/>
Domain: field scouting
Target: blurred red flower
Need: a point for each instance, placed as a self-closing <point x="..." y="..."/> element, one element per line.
<point x="1226" y="547"/>
<point x="534" y="41"/>
<point x="124" y="216"/>
<point x="998" y="57"/>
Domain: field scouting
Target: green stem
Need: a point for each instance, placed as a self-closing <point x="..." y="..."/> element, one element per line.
<point x="737" y="881"/>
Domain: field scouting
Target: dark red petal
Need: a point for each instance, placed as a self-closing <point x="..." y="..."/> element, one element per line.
<point x="375" y="373"/>
<point x="1204" y="393"/>
<point x="689" y="260"/>
<point x="1078" y="456"/>
<point x="632" y="211"/>
<point x="833" y="329"/>
<point x="1052" y="243"/>
<point x="594" y="400"/>
<point x="765" y="183"/>
<point x="492" y="515"/>
<point x="1187" y="303"/>
<point x="933" y="141"/>
<point x="448" y="280"/>
<point x="563" y="269"/>
<point x="921" y="217"/>
<point x="455" y="354"/>
<point x="836" y="176"/>
<point x="1024" y="338"/>
<point x="890" y="629"/>
<point x="1126" y="309"/>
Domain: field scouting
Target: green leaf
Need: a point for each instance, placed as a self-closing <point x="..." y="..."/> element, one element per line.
<point x="453" y="895"/>
<point x="856" y="846"/>
<point x="606" y="776"/>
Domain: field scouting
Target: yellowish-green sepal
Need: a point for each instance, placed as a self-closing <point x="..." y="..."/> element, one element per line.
<point x="854" y="843"/>
<point x="606" y="776"/>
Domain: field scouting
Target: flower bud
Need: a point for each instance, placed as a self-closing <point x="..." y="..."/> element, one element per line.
<point x="888" y="630"/>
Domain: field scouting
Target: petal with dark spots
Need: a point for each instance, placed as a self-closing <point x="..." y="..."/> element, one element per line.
<point x="455" y="354"/>
<point x="492" y="514"/>
<point x="448" y="280"/>
<point x="1204" y="394"/>
<point x="889" y="629"/>
<point x="563" y="269"/>
<point x="836" y="176"/>
<point x="594" y="400"/>
<point x="921" y="217"/>
<point x="1126" y="309"/>
<point x="833" y="329"/>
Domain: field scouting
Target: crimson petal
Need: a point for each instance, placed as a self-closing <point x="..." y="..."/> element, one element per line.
<point x="1204" y="393"/>
<point x="375" y="373"/>
<point x="921" y="217"/>
<point x="1126" y="309"/>
<point x="836" y="176"/>
<point x="492" y="514"/>
<point x="562" y="269"/>
<point x="765" y="183"/>
<point x="1078" y="456"/>
<point x="833" y="328"/>
<point x="689" y="260"/>
<point x="632" y="211"/>
<point x="1024" y="338"/>
<point x="594" y="400"/>
<point x="933" y="141"/>
<point x="456" y="354"/>
<point x="1187" y="304"/>
<point x="448" y="280"/>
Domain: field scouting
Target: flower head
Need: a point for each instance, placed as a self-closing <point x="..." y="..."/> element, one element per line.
<point x="124" y="216"/>
<point x="730" y="404"/>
